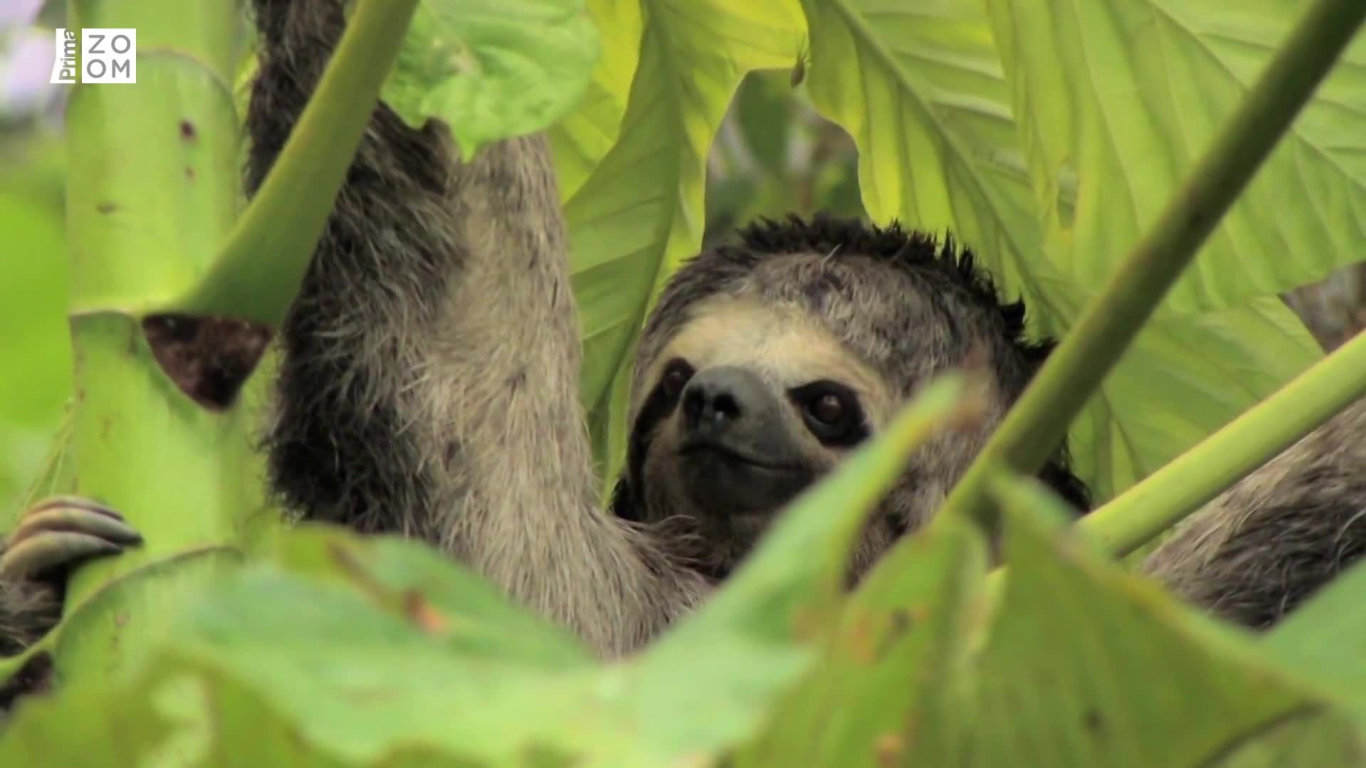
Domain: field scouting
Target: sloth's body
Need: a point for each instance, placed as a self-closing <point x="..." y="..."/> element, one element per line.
<point x="430" y="388"/>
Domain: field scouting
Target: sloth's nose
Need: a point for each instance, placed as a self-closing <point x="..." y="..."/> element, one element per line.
<point x="715" y="400"/>
<point x="709" y="410"/>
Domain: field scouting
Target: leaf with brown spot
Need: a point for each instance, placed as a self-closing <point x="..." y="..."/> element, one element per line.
<point x="886" y="675"/>
<point x="888" y="749"/>
<point x="423" y="613"/>
<point x="1090" y="665"/>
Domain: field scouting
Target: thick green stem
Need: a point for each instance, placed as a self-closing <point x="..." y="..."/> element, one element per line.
<point x="152" y="191"/>
<point x="1168" y="495"/>
<point x="152" y="199"/>
<point x="150" y="166"/>
<point x="259" y="270"/>
<point x="1036" y="425"/>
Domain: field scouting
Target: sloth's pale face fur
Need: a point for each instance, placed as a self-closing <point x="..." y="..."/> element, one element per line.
<point x="727" y="487"/>
<point x="766" y="363"/>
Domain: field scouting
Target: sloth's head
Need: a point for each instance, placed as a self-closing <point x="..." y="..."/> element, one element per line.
<point x="769" y="360"/>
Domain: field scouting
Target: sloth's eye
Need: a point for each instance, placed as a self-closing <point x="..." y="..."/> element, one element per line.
<point x="827" y="409"/>
<point x="676" y="376"/>
<point x="831" y="411"/>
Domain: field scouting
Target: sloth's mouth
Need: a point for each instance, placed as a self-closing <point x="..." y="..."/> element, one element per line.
<point x="734" y="495"/>
<point x="702" y="446"/>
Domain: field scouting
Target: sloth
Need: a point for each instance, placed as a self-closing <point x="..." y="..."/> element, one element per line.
<point x="429" y="388"/>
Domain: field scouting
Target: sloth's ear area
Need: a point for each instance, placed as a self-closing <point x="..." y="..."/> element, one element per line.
<point x="1057" y="474"/>
<point x="625" y="505"/>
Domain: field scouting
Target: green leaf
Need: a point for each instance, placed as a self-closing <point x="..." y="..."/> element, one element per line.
<point x="361" y="650"/>
<point x="1088" y="665"/>
<point x="749" y="643"/>
<point x="422" y="585"/>
<point x="640" y="212"/>
<point x="1116" y="99"/>
<point x="373" y="651"/>
<point x="1300" y="740"/>
<point x="1183" y="378"/>
<point x="920" y="88"/>
<point x="896" y="663"/>
<point x="1323" y="639"/>
<point x="492" y="68"/>
<point x="581" y="139"/>
<point x="266" y="653"/>
<point x="359" y="682"/>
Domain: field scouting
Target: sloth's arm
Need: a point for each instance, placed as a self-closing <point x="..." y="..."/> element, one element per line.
<point x="1255" y="552"/>
<point x="430" y="376"/>
<point x="28" y="609"/>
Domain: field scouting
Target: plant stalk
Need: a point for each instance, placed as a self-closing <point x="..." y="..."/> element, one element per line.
<point x="259" y="270"/>
<point x="151" y="191"/>
<point x="1168" y="495"/>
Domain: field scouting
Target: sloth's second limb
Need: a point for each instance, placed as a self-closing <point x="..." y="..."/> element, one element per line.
<point x="429" y="384"/>
<point x="1259" y="549"/>
<point x="52" y="538"/>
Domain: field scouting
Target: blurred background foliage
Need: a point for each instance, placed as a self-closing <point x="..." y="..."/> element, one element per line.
<point x="33" y="335"/>
<point x="773" y="155"/>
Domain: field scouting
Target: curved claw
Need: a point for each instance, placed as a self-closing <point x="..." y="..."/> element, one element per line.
<point x="61" y="532"/>
<point x="46" y="551"/>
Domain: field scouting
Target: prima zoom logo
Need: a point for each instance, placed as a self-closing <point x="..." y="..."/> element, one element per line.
<point x="96" y="56"/>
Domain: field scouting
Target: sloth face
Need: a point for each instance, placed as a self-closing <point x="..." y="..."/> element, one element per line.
<point x="748" y="405"/>
<point x="765" y="362"/>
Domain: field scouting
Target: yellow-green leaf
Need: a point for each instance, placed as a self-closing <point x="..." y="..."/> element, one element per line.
<point x="1117" y="99"/>
<point x="492" y="68"/>
<point x="1090" y="666"/>
<point x="640" y="212"/>
<point x="921" y="88"/>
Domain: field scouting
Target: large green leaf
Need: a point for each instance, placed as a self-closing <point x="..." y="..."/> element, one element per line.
<point x="376" y="652"/>
<point x="1307" y="739"/>
<point x="342" y="650"/>
<point x="266" y="653"/>
<point x="896" y="662"/>
<point x="920" y="87"/>
<point x="1088" y="665"/>
<point x="581" y="138"/>
<point x="747" y="645"/>
<point x="1183" y="378"/>
<point x="492" y="68"/>
<point x="467" y="613"/>
<point x="1116" y="99"/>
<point x="1324" y="640"/>
<point x="640" y="212"/>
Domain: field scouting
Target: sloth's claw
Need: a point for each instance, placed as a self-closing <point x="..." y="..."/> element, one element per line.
<point x="61" y="532"/>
